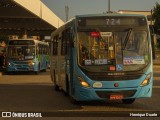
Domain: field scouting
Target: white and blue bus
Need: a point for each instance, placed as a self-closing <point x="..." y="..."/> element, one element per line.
<point x="103" y="57"/>
<point x="27" y="55"/>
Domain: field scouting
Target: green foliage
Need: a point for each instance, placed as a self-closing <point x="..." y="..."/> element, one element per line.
<point x="3" y="38"/>
<point x="156" y="18"/>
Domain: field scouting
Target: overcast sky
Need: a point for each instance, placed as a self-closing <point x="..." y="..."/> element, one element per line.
<point x="78" y="7"/>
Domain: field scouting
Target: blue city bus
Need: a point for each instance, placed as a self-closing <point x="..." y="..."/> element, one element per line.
<point x="103" y="57"/>
<point x="27" y="55"/>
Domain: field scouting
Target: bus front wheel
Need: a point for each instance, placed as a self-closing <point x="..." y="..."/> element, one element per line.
<point x="36" y="72"/>
<point x="73" y="101"/>
<point x="56" y="87"/>
<point x="67" y="86"/>
<point x="128" y="101"/>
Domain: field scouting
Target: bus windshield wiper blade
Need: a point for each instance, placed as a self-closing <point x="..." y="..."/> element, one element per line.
<point x="127" y="38"/>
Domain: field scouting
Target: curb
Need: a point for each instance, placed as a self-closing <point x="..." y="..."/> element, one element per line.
<point x="1" y="73"/>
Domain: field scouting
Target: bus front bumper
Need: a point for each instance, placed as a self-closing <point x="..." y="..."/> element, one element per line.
<point x="89" y="94"/>
<point x="20" y="68"/>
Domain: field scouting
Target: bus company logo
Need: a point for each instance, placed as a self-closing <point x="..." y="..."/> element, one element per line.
<point x="6" y="114"/>
<point x="21" y="115"/>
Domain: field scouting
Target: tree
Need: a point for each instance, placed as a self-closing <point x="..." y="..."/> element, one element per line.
<point x="3" y="38"/>
<point x="156" y="18"/>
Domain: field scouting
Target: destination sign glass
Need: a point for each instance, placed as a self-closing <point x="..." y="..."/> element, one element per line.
<point x="112" y="21"/>
<point x="21" y="42"/>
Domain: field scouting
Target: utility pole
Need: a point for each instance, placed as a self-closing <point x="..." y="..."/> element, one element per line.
<point x="67" y="12"/>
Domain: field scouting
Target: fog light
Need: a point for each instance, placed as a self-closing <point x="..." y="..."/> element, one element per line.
<point x="97" y="85"/>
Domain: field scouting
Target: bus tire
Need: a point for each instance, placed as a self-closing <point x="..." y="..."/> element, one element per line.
<point x="37" y="72"/>
<point x="10" y="73"/>
<point x="56" y="87"/>
<point x="7" y="73"/>
<point x="73" y="101"/>
<point x="67" y="86"/>
<point x="128" y="101"/>
<point x="44" y="70"/>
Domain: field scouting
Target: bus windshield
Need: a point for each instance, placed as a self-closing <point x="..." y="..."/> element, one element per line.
<point x="113" y="50"/>
<point x="21" y="52"/>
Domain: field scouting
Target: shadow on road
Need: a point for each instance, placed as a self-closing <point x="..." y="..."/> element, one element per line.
<point x="41" y="97"/>
<point x="32" y="97"/>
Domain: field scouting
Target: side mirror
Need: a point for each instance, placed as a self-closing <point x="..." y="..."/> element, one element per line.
<point x="152" y="41"/>
<point x="71" y="39"/>
<point x="153" y="49"/>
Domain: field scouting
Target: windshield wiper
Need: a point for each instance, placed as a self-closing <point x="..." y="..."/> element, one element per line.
<point x="127" y="38"/>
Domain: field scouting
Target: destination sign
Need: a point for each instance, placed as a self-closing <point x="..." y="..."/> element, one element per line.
<point x="112" y="21"/>
<point x="21" y="42"/>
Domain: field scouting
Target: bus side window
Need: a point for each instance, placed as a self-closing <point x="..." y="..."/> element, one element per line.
<point x="43" y="49"/>
<point x="66" y="36"/>
<point x="39" y="48"/>
<point x="55" y="45"/>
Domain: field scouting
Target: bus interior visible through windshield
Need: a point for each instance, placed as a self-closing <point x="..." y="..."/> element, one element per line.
<point x="21" y="52"/>
<point x="98" y="49"/>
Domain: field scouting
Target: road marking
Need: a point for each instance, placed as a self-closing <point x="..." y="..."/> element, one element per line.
<point x="1" y="73"/>
<point x="156" y="86"/>
<point x="156" y="78"/>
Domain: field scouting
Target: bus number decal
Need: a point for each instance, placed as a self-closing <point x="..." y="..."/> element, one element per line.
<point x="113" y="22"/>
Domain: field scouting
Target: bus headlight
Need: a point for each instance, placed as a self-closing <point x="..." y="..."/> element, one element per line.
<point x="33" y="63"/>
<point x="83" y="82"/>
<point x="10" y="64"/>
<point x="146" y="80"/>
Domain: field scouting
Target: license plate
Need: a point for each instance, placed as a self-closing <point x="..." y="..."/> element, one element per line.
<point x="116" y="97"/>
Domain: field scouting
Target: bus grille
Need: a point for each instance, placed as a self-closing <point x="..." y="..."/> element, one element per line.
<point x="22" y="68"/>
<point x="104" y="77"/>
<point x="125" y="93"/>
<point x="21" y="63"/>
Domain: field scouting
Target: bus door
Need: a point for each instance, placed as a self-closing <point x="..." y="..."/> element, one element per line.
<point x="65" y="59"/>
<point x="55" y="60"/>
<point x="61" y="60"/>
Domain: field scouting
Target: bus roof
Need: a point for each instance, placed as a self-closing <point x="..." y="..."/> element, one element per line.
<point x="110" y="14"/>
<point x="23" y="39"/>
<point x="97" y="15"/>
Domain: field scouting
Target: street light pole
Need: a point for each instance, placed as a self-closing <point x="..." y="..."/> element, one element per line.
<point x="67" y="12"/>
<point x="108" y="5"/>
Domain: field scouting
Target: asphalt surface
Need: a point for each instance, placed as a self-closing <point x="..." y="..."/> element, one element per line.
<point x="26" y="92"/>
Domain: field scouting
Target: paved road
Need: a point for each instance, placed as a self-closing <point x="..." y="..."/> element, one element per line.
<point x="27" y="92"/>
